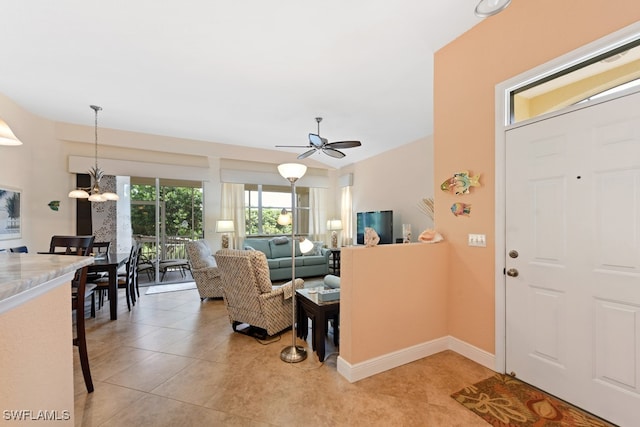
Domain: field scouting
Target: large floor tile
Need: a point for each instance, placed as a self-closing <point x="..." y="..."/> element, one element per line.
<point x="175" y="360"/>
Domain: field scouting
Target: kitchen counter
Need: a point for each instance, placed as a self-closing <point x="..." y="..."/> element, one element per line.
<point x="36" y="355"/>
<point x="27" y="276"/>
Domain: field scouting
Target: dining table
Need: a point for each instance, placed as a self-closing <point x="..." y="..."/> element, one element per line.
<point x="109" y="263"/>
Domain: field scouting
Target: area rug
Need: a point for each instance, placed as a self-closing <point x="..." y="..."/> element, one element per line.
<point x="159" y="289"/>
<point x="504" y="401"/>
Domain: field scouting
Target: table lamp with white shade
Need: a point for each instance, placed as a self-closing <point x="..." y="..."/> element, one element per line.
<point x="225" y="226"/>
<point x="334" y="225"/>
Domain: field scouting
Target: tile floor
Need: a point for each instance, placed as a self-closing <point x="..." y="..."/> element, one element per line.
<point x="173" y="361"/>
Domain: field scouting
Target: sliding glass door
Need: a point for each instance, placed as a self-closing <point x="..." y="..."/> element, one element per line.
<point x="165" y="214"/>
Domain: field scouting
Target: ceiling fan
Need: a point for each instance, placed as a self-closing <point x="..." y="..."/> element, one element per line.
<point x="317" y="143"/>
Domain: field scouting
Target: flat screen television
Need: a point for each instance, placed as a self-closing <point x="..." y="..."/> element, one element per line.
<point x="381" y="221"/>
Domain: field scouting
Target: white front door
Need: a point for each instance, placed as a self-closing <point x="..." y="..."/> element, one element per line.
<point x="573" y="257"/>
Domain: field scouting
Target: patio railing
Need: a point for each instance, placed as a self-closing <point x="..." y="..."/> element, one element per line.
<point x="173" y="247"/>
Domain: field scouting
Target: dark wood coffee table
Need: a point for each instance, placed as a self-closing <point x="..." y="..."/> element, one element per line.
<point x="308" y="307"/>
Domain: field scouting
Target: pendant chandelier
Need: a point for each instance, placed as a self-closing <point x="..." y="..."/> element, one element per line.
<point x="94" y="194"/>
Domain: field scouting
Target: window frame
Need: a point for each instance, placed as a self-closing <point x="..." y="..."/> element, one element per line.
<point x="302" y="209"/>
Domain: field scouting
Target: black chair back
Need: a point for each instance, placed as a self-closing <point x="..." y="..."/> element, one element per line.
<point x="71" y="245"/>
<point x="101" y="248"/>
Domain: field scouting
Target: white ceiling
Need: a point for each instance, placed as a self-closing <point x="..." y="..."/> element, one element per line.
<point x="245" y="72"/>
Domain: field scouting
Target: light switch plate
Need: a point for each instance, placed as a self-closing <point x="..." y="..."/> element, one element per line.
<point x="479" y="240"/>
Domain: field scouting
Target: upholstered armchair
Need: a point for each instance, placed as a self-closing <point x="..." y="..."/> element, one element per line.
<point x="204" y="270"/>
<point x="248" y="293"/>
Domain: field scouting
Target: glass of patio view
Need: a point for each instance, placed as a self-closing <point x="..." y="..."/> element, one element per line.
<point x="165" y="214"/>
<point x="264" y="205"/>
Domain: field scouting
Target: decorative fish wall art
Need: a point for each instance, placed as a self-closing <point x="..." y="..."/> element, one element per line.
<point x="54" y="205"/>
<point x="460" y="209"/>
<point x="460" y="183"/>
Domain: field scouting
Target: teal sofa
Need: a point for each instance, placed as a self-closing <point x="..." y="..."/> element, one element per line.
<point x="278" y="252"/>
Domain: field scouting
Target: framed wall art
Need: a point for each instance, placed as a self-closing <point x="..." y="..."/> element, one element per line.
<point x="10" y="222"/>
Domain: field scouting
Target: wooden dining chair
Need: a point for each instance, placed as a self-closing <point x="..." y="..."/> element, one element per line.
<point x="100" y="249"/>
<point x="79" y="285"/>
<point x="78" y="245"/>
<point x="135" y="284"/>
<point x="126" y="281"/>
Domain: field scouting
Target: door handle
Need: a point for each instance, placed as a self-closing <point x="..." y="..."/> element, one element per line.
<point x="512" y="272"/>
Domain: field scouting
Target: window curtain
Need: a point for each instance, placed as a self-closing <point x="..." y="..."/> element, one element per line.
<point x="346" y="215"/>
<point x="232" y="207"/>
<point x="317" y="213"/>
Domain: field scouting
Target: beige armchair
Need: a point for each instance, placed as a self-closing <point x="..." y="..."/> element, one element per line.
<point x="248" y="293"/>
<point x="204" y="269"/>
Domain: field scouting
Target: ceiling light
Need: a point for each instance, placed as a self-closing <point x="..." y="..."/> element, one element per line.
<point x="6" y="135"/>
<point x="94" y="194"/>
<point x="490" y="7"/>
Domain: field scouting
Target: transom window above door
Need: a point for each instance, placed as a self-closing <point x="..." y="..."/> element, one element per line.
<point x="616" y="70"/>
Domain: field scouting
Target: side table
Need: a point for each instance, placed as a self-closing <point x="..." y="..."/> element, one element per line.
<point x="334" y="266"/>
<point x="308" y="307"/>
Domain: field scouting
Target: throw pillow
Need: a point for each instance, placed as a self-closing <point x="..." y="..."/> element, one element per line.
<point x="282" y="240"/>
<point x="317" y="249"/>
<point x="200" y="254"/>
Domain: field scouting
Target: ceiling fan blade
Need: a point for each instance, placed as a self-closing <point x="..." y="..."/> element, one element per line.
<point x="344" y="144"/>
<point x="306" y="154"/>
<point x="316" y="140"/>
<point x="292" y="146"/>
<point x="333" y="152"/>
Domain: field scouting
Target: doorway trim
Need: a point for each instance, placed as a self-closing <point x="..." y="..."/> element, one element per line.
<point x="502" y="109"/>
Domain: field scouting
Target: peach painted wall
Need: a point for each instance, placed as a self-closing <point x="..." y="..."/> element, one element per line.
<point x="36" y="357"/>
<point x="527" y="34"/>
<point x="389" y="305"/>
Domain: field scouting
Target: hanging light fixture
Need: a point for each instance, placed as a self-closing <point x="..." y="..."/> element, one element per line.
<point x="6" y="135"/>
<point x="488" y="8"/>
<point x="94" y="194"/>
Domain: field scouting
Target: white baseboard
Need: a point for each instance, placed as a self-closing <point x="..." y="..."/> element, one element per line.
<point x="392" y="360"/>
<point x="481" y="357"/>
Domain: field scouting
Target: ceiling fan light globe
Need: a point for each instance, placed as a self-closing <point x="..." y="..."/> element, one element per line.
<point x="315" y="140"/>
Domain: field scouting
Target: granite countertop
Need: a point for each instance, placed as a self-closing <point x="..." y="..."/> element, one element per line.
<point x="22" y="274"/>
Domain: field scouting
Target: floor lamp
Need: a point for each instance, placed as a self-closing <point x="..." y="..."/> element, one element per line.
<point x="292" y="172"/>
